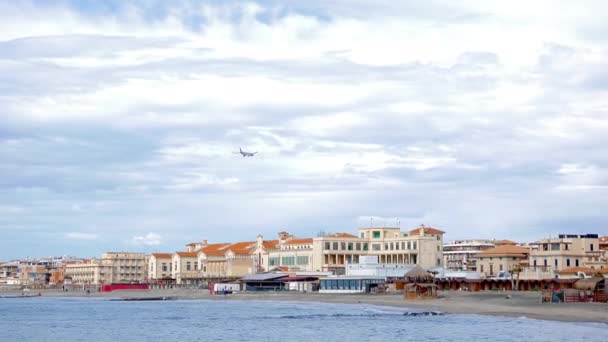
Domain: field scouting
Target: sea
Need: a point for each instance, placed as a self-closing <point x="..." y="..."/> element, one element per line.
<point x="100" y="319"/>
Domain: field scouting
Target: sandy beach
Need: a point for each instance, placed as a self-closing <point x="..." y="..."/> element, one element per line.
<point x="526" y="304"/>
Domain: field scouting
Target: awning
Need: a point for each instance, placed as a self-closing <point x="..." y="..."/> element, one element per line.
<point x="263" y="276"/>
<point x="293" y="279"/>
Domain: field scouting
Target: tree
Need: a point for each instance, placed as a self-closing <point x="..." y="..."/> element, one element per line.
<point x="515" y="282"/>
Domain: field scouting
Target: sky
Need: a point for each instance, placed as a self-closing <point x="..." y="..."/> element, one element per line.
<point x="119" y="120"/>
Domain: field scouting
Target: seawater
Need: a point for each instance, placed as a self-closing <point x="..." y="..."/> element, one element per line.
<point x="98" y="319"/>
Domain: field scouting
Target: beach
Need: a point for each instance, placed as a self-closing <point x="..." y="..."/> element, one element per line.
<point x="510" y="304"/>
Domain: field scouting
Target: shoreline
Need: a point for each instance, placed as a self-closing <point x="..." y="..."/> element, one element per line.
<point x="520" y="304"/>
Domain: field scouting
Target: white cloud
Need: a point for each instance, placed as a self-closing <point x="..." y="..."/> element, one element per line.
<point x="150" y="239"/>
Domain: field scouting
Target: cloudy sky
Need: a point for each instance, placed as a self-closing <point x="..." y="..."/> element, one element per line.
<point x="118" y="122"/>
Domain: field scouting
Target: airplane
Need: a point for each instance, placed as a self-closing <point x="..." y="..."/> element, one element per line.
<point x="246" y="154"/>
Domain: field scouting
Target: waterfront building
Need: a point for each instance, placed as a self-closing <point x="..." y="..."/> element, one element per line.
<point x="293" y="254"/>
<point x="112" y="267"/>
<point x="422" y="246"/>
<point x="497" y="262"/>
<point x="184" y="267"/>
<point x="90" y="272"/>
<point x="32" y="275"/>
<point x="566" y="251"/>
<point x="159" y="266"/>
<point x="460" y="255"/>
<point x="9" y="273"/>
<point x="211" y="260"/>
<point x="341" y="284"/>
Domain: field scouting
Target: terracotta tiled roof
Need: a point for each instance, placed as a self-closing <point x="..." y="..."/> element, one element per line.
<point x="270" y="244"/>
<point x="427" y="230"/>
<point x="162" y="255"/>
<point x="586" y="270"/>
<point x="215" y="249"/>
<point x="187" y="254"/>
<point x="505" y="250"/>
<point x="241" y="247"/>
<point x="300" y="242"/>
<point x="341" y="235"/>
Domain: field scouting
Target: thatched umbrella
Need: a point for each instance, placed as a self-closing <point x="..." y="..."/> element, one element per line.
<point x="418" y="274"/>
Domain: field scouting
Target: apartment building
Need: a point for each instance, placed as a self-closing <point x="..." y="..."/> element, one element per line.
<point x="500" y="260"/>
<point x="9" y="273"/>
<point x="159" y="266"/>
<point x="91" y="272"/>
<point x="112" y="267"/>
<point x="566" y="251"/>
<point x="460" y="255"/>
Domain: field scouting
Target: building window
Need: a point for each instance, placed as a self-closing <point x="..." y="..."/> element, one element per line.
<point x="555" y="263"/>
<point x="437" y="248"/>
<point x="409" y="245"/>
<point x="386" y="246"/>
<point x="343" y="246"/>
<point x="188" y="266"/>
<point x="350" y="246"/>
<point x="358" y="246"/>
<point x="567" y="262"/>
<point x="392" y="246"/>
<point x="591" y="247"/>
<point x="288" y="261"/>
<point x="365" y="248"/>
<point x="362" y="235"/>
<point x="566" y="246"/>
<point x="576" y="262"/>
<point x="376" y="235"/>
<point x="500" y="267"/>
<point x="555" y="246"/>
<point x="545" y="262"/>
<point x="274" y="261"/>
<point x="335" y="246"/>
<point x="397" y="245"/>
<point x="302" y="260"/>
<point x="414" y="245"/>
<point x="327" y="246"/>
<point x="481" y="268"/>
<point x="438" y="263"/>
<point x="375" y="247"/>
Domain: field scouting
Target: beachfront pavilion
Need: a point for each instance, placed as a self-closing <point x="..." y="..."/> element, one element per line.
<point x="349" y="284"/>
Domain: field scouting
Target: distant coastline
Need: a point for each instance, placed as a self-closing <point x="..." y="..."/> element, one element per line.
<point x="520" y="304"/>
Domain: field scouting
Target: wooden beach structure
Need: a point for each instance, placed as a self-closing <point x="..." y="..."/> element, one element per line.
<point x="417" y="284"/>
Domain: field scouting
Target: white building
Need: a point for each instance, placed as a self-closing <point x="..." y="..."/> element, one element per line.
<point x="368" y="266"/>
<point x="460" y="255"/>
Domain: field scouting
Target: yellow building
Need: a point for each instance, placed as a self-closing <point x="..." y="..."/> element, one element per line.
<point x="499" y="261"/>
<point x="112" y="267"/>
<point x="420" y="246"/>
<point x="567" y="251"/>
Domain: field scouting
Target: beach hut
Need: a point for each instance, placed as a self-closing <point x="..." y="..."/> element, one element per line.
<point x="420" y="291"/>
<point x="591" y="289"/>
